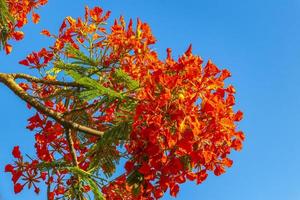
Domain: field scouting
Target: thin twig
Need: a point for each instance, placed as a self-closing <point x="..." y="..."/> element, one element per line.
<point x="45" y="81"/>
<point x="71" y="145"/>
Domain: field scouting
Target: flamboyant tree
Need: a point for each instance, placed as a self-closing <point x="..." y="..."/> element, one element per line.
<point x="103" y="95"/>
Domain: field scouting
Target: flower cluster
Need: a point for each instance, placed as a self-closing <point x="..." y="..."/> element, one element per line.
<point x="25" y="171"/>
<point x="184" y="123"/>
<point x="16" y="18"/>
<point x="53" y="155"/>
<point x="180" y="113"/>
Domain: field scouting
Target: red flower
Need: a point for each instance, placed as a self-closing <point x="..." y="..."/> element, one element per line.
<point x="174" y="190"/>
<point x="18" y="35"/>
<point x="9" y="168"/>
<point x="35" y="18"/>
<point x="18" y="188"/>
<point x="8" y="48"/>
<point x="46" y="33"/>
<point x="16" y="152"/>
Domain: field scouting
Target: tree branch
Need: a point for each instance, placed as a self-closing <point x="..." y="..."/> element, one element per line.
<point x="45" y="81"/>
<point x="8" y="80"/>
<point x="71" y="145"/>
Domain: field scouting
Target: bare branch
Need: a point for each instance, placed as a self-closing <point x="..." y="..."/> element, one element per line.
<point x="68" y="132"/>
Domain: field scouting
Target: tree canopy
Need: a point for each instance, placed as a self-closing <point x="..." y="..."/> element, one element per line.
<point x="102" y="95"/>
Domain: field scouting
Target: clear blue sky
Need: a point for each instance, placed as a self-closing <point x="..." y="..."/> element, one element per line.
<point x="257" y="40"/>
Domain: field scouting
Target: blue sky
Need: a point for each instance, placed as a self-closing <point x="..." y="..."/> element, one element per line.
<point x="257" y="40"/>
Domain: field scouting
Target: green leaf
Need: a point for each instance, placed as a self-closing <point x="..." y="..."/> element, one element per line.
<point x="117" y="133"/>
<point x="45" y="166"/>
<point x="123" y="77"/>
<point x="104" y="152"/>
<point x="60" y="65"/>
<point x="80" y="57"/>
<point x="135" y="177"/>
<point x="94" y="88"/>
<point x="87" y="177"/>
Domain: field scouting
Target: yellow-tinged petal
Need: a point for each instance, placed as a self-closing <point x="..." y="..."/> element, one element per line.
<point x="71" y="20"/>
<point x="181" y="96"/>
<point x="227" y="123"/>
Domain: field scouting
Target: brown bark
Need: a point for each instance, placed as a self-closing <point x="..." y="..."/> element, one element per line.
<point x="9" y="81"/>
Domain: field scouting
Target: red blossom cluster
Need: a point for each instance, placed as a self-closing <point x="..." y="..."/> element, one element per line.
<point x="182" y="125"/>
<point x="25" y="171"/>
<point x="51" y="146"/>
<point x="18" y="12"/>
<point x="77" y="32"/>
<point x="38" y="59"/>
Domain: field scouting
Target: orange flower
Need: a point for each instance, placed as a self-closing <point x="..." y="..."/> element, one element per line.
<point x="35" y="18"/>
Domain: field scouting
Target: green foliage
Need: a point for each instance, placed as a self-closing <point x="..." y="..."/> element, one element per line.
<point x="80" y="58"/>
<point x="85" y="71"/>
<point x="134" y="179"/>
<point x="94" y="89"/>
<point x="59" y="65"/>
<point x="117" y="133"/>
<point x="123" y="77"/>
<point x="104" y="151"/>
<point x="45" y="166"/>
<point x="89" y="180"/>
